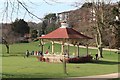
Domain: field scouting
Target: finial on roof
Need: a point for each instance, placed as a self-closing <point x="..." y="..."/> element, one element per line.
<point x="64" y="24"/>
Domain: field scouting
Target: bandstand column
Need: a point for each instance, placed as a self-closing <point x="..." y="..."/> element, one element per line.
<point x="62" y="48"/>
<point x="75" y="48"/>
<point x="52" y="47"/>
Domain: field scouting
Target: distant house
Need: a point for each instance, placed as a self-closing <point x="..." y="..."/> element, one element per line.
<point x="81" y="15"/>
<point x="64" y="16"/>
<point x="85" y="15"/>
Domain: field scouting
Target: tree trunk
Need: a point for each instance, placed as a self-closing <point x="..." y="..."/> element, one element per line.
<point x="99" y="26"/>
<point x="99" y="45"/>
<point x="100" y="51"/>
<point x="7" y="46"/>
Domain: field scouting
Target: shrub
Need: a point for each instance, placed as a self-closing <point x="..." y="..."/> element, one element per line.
<point x="83" y="59"/>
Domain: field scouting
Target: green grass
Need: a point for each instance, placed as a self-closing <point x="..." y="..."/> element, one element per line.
<point x="14" y="65"/>
<point x="21" y="48"/>
<point x="19" y="67"/>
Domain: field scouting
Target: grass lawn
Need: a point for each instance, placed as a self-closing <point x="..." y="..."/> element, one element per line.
<point x="14" y="65"/>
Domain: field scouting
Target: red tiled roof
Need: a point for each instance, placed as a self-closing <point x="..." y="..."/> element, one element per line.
<point x="67" y="33"/>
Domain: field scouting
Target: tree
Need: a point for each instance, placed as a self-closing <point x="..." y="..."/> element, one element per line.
<point x="104" y="16"/>
<point x="99" y="28"/>
<point x="51" y="17"/>
<point x="6" y="44"/>
<point x="34" y="34"/>
<point x="52" y="27"/>
<point x="87" y="5"/>
<point x="12" y="7"/>
<point x="49" y="23"/>
<point x="116" y="24"/>
<point x="20" y="26"/>
<point x="8" y="36"/>
<point x="99" y="11"/>
<point x="43" y="29"/>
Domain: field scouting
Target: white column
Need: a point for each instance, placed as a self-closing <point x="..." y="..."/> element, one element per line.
<point x="52" y="47"/>
<point x="75" y="50"/>
<point x="62" y="48"/>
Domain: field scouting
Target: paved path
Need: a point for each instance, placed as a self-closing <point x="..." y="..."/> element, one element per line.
<point x="113" y="75"/>
<point x="90" y="47"/>
<point x="97" y="77"/>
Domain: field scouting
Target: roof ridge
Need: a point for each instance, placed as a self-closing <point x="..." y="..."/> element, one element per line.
<point x="67" y="31"/>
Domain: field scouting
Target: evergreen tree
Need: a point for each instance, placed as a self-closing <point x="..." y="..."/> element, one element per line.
<point x="20" y="26"/>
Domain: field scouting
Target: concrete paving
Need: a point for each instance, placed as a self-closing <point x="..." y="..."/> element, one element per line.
<point x="97" y="77"/>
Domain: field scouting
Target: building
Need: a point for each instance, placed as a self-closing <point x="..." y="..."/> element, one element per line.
<point x="81" y="19"/>
<point x="83" y="14"/>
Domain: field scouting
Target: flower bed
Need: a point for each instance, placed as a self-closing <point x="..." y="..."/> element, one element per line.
<point x="83" y="59"/>
<point x="87" y="58"/>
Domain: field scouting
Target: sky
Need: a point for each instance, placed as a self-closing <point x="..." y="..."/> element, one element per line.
<point x="38" y="7"/>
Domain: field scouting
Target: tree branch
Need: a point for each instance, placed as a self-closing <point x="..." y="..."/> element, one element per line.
<point x="47" y="2"/>
<point x="28" y="10"/>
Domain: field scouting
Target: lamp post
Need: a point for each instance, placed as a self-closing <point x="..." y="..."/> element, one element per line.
<point x="42" y="44"/>
<point x="64" y="60"/>
<point x="78" y="49"/>
<point x="87" y="48"/>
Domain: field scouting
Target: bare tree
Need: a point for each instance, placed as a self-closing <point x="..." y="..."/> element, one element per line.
<point x="115" y="22"/>
<point x="6" y="44"/>
<point x="99" y="26"/>
<point x="8" y="36"/>
<point x="101" y="21"/>
<point x="12" y="7"/>
<point x="103" y="17"/>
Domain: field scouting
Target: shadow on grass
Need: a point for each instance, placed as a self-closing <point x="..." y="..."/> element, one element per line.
<point x="27" y="79"/>
<point x="99" y="62"/>
<point x="114" y="79"/>
<point x="105" y="62"/>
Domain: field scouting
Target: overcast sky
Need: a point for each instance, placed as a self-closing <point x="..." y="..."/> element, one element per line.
<point x="39" y="8"/>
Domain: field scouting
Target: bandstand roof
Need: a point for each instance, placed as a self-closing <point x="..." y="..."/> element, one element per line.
<point x="64" y="32"/>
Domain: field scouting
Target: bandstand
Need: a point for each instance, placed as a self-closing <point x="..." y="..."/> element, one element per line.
<point x="63" y="35"/>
